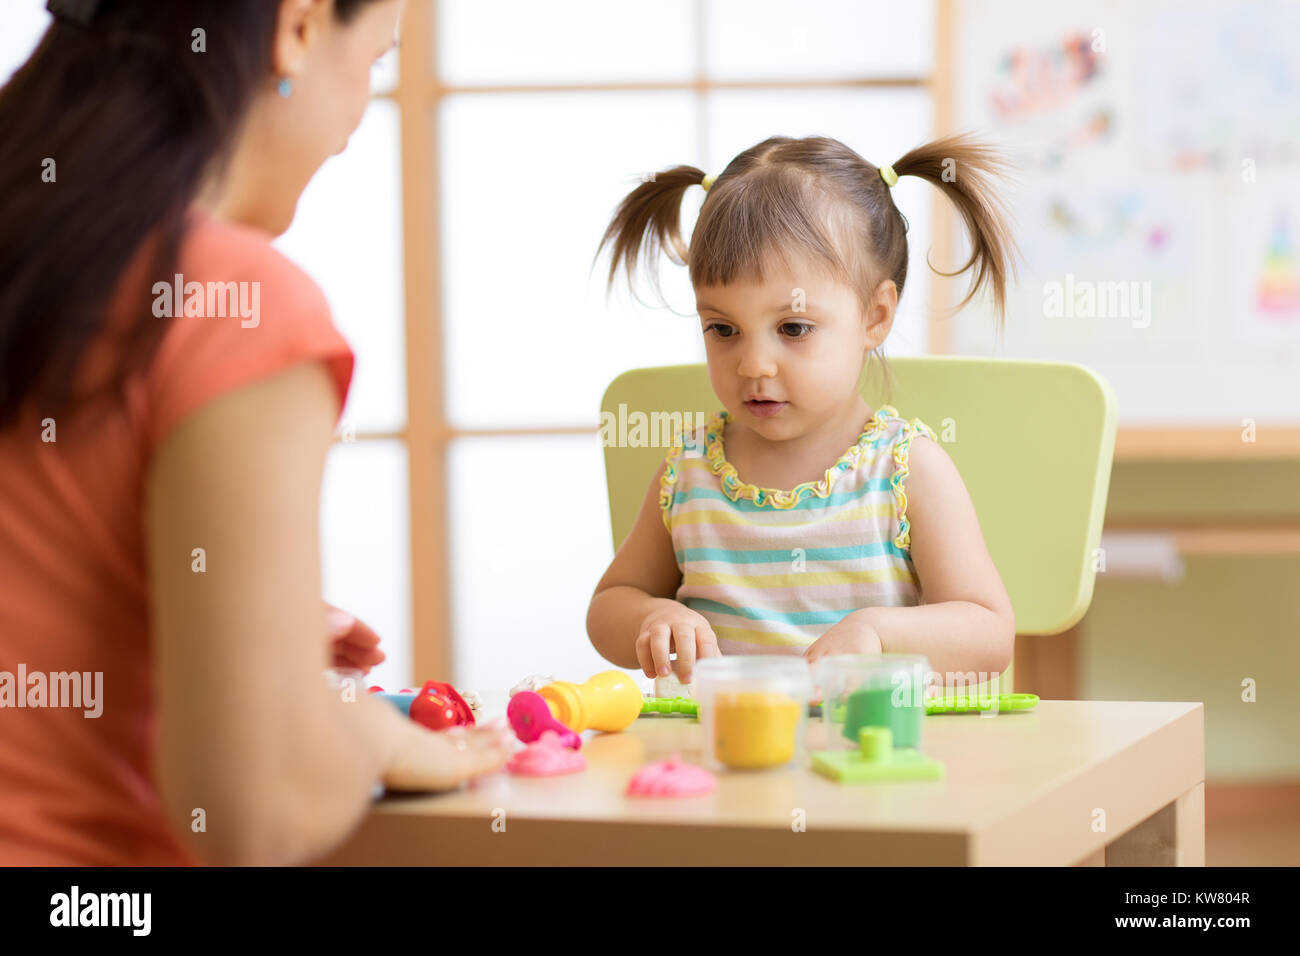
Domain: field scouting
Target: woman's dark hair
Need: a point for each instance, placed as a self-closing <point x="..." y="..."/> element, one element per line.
<point x="818" y="197"/>
<point x="134" y="119"/>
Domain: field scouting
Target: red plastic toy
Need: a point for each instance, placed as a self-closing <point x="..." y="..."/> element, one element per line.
<point x="438" y="706"/>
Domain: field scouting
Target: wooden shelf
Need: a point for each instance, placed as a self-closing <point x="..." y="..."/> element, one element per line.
<point x="1205" y="539"/>
<point x="1272" y="443"/>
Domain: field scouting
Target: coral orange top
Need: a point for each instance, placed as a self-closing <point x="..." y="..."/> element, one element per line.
<point x="76" y="788"/>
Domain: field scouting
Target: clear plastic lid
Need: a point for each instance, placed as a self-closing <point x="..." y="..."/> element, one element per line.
<point x="780" y="673"/>
<point x="872" y="690"/>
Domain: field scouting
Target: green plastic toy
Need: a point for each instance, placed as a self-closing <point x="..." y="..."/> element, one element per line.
<point x="686" y="706"/>
<point x="876" y="759"/>
<point x="963" y="705"/>
<point x="957" y="705"/>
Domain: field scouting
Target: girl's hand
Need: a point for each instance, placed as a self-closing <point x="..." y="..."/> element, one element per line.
<point x="672" y="626"/>
<point x="443" y="759"/>
<point x="854" y="634"/>
<point x="354" y="644"/>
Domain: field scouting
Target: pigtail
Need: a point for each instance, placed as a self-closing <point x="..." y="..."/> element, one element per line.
<point x="648" y="223"/>
<point x="965" y="171"/>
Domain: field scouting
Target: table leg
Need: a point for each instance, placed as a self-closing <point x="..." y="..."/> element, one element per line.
<point x="1173" y="836"/>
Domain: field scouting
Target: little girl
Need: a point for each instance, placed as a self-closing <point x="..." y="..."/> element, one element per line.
<point x="799" y="519"/>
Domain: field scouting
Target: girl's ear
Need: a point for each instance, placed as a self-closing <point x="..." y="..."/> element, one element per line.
<point x="879" y="318"/>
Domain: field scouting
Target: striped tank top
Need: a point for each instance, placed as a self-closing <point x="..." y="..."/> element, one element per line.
<point x="772" y="570"/>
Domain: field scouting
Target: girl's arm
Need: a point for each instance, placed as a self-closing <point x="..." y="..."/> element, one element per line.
<point x="281" y="767"/>
<point x="634" y="620"/>
<point x="966" y="623"/>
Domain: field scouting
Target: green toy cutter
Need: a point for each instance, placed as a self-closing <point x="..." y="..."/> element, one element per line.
<point x="964" y="704"/>
<point x="686" y="706"/>
<point x="971" y="704"/>
<point x="689" y="707"/>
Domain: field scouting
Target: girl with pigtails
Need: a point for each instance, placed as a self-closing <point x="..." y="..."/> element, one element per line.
<point x="800" y="520"/>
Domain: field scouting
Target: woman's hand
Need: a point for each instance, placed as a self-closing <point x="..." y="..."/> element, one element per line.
<point x="443" y="759"/>
<point x="672" y="626"/>
<point x="854" y="634"/>
<point x="355" y="645"/>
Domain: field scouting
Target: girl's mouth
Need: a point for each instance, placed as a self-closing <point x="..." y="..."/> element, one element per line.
<point x="765" y="408"/>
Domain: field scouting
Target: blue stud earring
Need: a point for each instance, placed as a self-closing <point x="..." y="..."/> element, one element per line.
<point x="284" y="87"/>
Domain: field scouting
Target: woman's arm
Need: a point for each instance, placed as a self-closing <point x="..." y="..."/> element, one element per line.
<point x="249" y="732"/>
<point x="966" y="623"/>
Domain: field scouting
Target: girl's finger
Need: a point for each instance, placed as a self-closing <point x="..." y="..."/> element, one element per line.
<point x="643" y="656"/>
<point x="685" y="653"/>
<point x="660" y="637"/>
<point x="707" y="641"/>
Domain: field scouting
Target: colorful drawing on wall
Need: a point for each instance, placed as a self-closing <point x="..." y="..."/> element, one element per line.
<point x="1277" y="293"/>
<point x="1216" y="84"/>
<point x="1052" y="92"/>
<point x="1037" y="80"/>
<point x="1155" y="147"/>
<point x="1264" y="271"/>
<point x="1144" y="227"/>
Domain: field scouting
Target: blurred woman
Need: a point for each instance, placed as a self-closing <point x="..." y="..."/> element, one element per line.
<point x="169" y="386"/>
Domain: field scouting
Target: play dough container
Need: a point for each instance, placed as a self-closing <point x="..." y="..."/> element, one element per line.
<point x="876" y="690"/>
<point x="753" y="710"/>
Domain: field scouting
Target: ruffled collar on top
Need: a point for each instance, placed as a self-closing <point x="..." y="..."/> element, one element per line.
<point x="736" y="490"/>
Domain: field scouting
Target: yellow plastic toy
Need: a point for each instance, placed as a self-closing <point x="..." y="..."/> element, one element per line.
<point x="610" y="701"/>
<point x="754" y="729"/>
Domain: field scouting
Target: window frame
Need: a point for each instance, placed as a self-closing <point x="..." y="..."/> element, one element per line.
<point x="428" y="434"/>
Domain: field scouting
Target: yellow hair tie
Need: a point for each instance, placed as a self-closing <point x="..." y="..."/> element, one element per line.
<point x="889" y="176"/>
<point x="708" y="181"/>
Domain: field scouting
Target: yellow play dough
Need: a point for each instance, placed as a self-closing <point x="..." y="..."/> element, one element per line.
<point x="752" y="729"/>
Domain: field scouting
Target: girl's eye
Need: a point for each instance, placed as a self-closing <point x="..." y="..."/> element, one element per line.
<point x="796" y="330"/>
<point x="721" y="331"/>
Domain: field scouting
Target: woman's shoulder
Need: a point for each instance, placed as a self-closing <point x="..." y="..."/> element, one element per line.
<point x="219" y="250"/>
<point x="239" y="310"/>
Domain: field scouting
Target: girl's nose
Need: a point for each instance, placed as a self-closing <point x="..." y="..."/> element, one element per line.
<point x="756" y="362"/>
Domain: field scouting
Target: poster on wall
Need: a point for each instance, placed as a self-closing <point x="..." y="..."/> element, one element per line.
<point x="1155" y="149"/>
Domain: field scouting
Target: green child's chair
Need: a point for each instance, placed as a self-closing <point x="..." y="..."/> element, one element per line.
<point x="1033" y="442"/>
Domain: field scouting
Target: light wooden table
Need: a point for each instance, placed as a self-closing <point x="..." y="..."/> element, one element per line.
<point x="1071" y="782"/>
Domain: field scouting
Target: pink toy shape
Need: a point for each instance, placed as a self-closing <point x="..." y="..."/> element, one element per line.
<point x="671" y="778"/>
<point x="530" y="718"/>
<point x="546" y="757"/>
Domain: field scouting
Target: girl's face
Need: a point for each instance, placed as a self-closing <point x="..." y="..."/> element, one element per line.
<point x="785" y="354"/>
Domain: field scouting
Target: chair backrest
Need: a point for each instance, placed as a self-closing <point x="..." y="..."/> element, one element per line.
<point x="1033" y="442"/>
